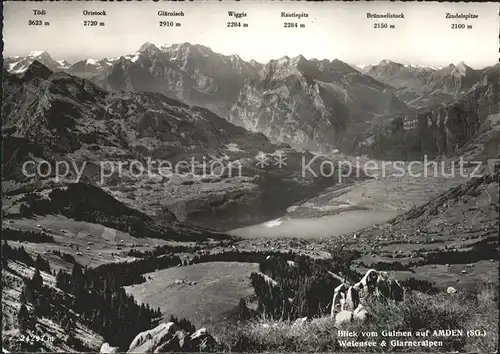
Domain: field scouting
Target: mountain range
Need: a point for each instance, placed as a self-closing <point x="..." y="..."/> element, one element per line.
<point x="421" y="86"/>
<point x="319" y="105"/>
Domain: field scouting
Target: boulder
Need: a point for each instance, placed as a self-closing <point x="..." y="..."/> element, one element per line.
<point x="360" y="314"/>
<point x="352" y="299"/>
<point x="149" y="341"/>
<point x="106" y="348"/>
<point x="339" y="296"/>
<point x="174" y="344"/>
<point x="199" y="341"/>
<point x="168" y="337"/>
<point x="300" y="321"/>
<point x="343" y="317"/>
<point x="451" y="290"/>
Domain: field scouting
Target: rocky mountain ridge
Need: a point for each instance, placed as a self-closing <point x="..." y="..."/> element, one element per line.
<point x="311" y="103"/>
<point x="420" y="86"/>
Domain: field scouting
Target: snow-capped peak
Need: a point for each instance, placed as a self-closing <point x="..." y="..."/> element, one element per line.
<point x="152" y="46"/>
<point x="64" y="64"/>
<point x="91" y="62"/>
<point x="299" y="58"/>
<point x="283" y="60"/>
<point x="417" y="66"/>
<point x="385" y="62"/>
<point x="135" y="57"/>
<point x="147" y="46"/>
<point x="461" y="68"/>
<point x="36" y="53"/>
<point x="424" y="66"/>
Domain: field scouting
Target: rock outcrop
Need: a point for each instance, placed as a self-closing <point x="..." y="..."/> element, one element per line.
<point x="169" y="337"/>
<point x="199" y="341"/>
<point x="343" y="317"/>
<point x="106" y="348"/>
<point x="379" y="284"/>
<point x="350" y="298"/>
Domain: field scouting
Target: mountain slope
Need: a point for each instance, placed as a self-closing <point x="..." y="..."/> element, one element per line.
<point x="66" y="112"/>
<point x="47" y="334"/>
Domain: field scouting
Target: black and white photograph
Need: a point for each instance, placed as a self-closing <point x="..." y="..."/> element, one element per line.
<point x="250" y="177"/>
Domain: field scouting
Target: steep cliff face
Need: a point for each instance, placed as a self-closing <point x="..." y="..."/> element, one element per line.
<point x="311" y="103"/>
<point x="444" y="129"/>
<point x="485" y="144"/>
<point x="292" y="111"/>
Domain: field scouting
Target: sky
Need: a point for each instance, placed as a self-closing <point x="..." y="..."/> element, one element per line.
<point x="333" y="30"/>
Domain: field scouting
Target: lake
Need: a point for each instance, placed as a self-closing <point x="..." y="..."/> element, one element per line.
<point x="331" y="225"/>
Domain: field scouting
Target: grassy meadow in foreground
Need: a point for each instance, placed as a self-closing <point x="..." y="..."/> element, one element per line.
<point x="418" y="311"/>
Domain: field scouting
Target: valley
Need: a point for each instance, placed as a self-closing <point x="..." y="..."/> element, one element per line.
<point x="424" y="250"/>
